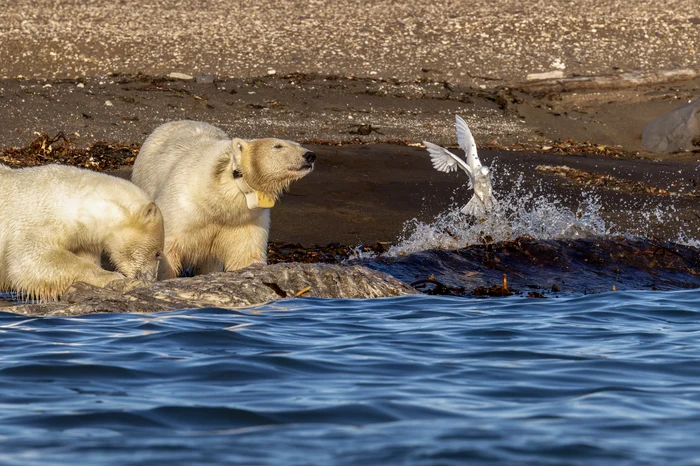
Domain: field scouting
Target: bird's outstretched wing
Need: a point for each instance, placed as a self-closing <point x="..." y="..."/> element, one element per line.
<point x="467" y="143"/>
<point x="444" y="160"/>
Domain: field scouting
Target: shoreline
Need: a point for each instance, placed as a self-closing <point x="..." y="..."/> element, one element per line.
<point x="124" y="109"/>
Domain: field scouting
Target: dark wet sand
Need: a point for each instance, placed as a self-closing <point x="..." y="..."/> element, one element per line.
<point x="365" y="193"/>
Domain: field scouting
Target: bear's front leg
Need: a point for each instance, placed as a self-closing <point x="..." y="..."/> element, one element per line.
<point x="171" y="263"/>
<point x="66" y="266"/>
<point x="242" y="246"/>
<point x="50" y="273"/>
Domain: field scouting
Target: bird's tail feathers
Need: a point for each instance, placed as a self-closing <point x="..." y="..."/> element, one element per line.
<point x="474" y="207"/>
<point x="477" y="207"/>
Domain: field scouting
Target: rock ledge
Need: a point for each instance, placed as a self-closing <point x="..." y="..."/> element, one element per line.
<point x="246" y="287"/>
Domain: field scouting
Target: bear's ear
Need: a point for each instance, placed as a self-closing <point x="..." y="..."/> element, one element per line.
<point x="238" y="145"/>
<point x="150" y="212"/>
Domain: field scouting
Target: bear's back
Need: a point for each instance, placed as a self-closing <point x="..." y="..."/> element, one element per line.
<point x="43" y="204"/>
<point x="54" y="188"/>
<point x="175" y="153"/>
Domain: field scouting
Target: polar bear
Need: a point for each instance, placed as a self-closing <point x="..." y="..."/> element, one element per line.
<point x="215" y="193"/>
<point x="56" y="221"/>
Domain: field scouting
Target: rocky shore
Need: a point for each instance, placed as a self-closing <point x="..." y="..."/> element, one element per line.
<point x="523" y="267"/>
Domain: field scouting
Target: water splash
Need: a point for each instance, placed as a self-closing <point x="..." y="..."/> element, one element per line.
<point x="535" y="215"/>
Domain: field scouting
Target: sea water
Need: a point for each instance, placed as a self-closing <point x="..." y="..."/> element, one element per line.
<point x="600" y="379"/>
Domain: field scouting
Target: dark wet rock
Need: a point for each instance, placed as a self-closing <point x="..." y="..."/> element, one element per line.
<point x="674" y="131"/>
<point x="250" y="286"/>
<point x="524" y="267"/>
<point x="569" y="266"/>
<point x="365" y="130"/>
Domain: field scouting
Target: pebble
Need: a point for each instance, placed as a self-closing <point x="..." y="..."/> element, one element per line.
<point x="558" y="64"/>
<point x="80" y="85"/>
<point x="109" y="103"/>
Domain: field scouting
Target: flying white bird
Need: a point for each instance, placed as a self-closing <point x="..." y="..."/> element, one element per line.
<point x="479" y="177"/>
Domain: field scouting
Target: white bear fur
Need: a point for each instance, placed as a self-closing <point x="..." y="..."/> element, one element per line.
<point x="56" y="221"/>
<point x="187" y="169"/>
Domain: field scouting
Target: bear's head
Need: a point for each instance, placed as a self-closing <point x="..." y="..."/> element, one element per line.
<point x="135" y="246"/>
<point x="270" y="165"/>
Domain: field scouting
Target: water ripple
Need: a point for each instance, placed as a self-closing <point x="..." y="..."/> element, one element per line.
<point x="414" y="380"/>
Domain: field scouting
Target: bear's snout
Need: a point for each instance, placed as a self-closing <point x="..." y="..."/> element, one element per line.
<point x="309" y="156"/>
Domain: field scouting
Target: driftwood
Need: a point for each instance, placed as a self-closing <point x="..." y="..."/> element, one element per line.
<point x="609" y="82"/>
<point x="246" y="287"/>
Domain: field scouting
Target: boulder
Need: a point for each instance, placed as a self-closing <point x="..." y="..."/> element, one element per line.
<point x="678" y="130"/>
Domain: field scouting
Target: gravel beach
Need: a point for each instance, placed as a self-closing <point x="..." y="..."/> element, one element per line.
<point x="464" y="42"/>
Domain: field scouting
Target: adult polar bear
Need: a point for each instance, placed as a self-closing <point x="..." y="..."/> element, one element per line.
<point x="56" y="221"/>
<point x="214" y="193"/>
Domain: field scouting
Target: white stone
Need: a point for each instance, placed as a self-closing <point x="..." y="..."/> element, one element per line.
<point x="182" y="76"/>
<point x="80" y="85"/>
<point x="108" y="103"/>
<point x="271" y="72"/>
<point x="548" y="75"/>
<point x="558" y="64"/>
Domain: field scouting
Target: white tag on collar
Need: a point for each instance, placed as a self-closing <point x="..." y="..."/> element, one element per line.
<point x="254" y="199"/>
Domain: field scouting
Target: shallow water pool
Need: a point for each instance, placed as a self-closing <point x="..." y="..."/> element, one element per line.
<point x="597" y="379"/>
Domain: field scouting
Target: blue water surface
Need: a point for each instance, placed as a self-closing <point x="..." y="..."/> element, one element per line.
<point x="600" y="379"/>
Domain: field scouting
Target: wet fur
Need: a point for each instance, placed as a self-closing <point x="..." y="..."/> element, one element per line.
<point x="56" y="221"/>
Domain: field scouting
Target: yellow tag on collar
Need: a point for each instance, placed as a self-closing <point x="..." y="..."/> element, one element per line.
<point x="257" y="200"/>
<point x="253" y="199"/>
<point x="264" y="201"/>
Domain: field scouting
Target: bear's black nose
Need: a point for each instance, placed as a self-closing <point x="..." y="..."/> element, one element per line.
<point x="310" y="156"/>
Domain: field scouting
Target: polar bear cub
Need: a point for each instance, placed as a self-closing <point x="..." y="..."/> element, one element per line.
<point x="56" y="221"/>
<point x="215" y="193"/>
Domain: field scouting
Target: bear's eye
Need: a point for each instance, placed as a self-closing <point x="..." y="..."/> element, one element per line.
<point x="158" y="254"/>
<point x="277" y="146"/>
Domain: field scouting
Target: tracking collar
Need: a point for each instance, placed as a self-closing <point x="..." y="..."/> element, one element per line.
<point x="254" y="199"/>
